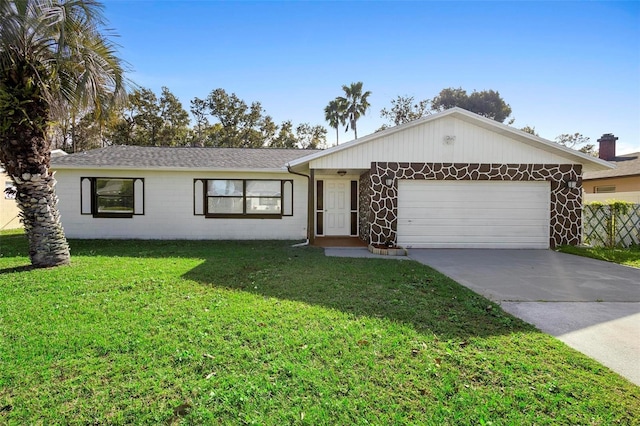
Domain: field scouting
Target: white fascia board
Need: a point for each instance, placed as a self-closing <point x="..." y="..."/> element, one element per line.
<point x="170" y="169"/>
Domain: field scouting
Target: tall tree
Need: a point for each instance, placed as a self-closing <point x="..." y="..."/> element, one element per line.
<point x="334" y="113"/>
<point x="356" y="104"/>
<point x="486" y="103"/>
<point x="199" y="112"/>
<point x="241" y="123"/>
<point x="54" y="57"/>
<point x="175" y="120"/>
<point x="285" y="137"/>
<point x="577" y="141"/>
<point x="311" y="137"/>
<point x="531" y="130"/>
<point x="405" y="109"/>
<point x="147" y="121"/>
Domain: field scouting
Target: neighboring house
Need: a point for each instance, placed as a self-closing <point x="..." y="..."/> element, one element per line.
<point x="452" y="179"/>
<point x="9" y="218"/>
<point x="621" y="183"/>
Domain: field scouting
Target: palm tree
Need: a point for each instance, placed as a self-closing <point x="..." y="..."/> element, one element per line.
<point x="334" y="113"/>
<point x="53" y="60"/>
<point x="356" y="104"/>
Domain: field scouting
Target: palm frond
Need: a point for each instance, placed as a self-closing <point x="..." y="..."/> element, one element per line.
<point x="67" y="49"/>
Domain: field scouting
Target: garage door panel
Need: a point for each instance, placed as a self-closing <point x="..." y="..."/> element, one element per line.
<point x="479" y="244"/>
<point x="417" y="214"/>
<point x="455" y="197"/>
<point x="495" y="214"/>
<point x="463" y="223"/>
<point x="456" y="231"/>
<point x="470" y="239"/>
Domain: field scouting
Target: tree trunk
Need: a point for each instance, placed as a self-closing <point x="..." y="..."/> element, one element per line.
<point x="38" y="204"/>
<point x="25" y="153"/>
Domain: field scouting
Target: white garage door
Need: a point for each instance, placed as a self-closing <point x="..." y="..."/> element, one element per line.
<point x="473" y="214"/>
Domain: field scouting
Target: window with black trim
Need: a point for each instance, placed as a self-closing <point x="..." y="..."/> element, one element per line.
<point x="112" y="197"/>
<point x="247" y="198"/>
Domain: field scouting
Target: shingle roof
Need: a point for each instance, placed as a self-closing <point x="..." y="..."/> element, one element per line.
<point x="626" y="165"/>
<point x="139" y="157"/>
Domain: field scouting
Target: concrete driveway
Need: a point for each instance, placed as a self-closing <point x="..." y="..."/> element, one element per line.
<point x="591" y="305"/>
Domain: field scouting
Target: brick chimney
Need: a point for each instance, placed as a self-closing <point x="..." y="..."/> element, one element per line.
<point x="607" y="148"/>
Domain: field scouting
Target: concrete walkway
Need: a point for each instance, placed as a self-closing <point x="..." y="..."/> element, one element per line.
<point x="357" y="252"/>
<point x="591" y="305"/>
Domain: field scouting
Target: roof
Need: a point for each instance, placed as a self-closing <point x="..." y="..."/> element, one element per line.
<point x="626" y="165"/>
<point x="141" y="157"/>
<point x="589" y="162"/>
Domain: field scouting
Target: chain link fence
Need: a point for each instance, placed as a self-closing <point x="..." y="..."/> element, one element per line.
<point x="611" y="225"/>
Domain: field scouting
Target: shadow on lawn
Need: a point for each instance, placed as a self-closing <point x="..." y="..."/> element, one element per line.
<point x="401" y="291"/>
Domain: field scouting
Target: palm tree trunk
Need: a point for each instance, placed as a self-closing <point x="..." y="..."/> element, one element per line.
<point x="38" y="204"/>
<point x="26" y="155"/>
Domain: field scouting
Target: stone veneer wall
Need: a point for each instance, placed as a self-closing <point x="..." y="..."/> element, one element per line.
<point x="566" y="203"/>
<point x="364" y="206"/>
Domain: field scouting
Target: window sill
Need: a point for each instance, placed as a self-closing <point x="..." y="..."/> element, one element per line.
<point x="114" y="215"/>
<point x="243" y="216"/>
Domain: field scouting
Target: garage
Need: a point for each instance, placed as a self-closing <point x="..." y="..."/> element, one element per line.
<point x="473" y="214"/>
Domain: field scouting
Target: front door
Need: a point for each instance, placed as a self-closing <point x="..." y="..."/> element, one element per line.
<point x="337" y="207"/>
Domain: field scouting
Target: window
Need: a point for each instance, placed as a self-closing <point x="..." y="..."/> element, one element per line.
<point x="606" y="189"/>
<point x="243" y="198"/>
<point x="112" y="197"/>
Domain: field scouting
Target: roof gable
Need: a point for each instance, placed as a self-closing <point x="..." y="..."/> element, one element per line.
<point x="455" y="135"/>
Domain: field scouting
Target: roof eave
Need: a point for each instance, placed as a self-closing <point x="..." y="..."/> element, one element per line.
<point x="169" y="169"/>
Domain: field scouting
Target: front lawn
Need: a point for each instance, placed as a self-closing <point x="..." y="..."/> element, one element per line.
<point x="624" y="256"/>
<point x="164" y="332"/>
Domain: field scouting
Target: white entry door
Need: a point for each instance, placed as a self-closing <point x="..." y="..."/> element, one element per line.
<point x="337" y="211"/>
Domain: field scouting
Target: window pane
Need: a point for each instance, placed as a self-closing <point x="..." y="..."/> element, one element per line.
<point x="223" y="188"/>
<point x="263" y="188"/>
<point x="224" y="205"/>
<point x="319" y="223"/>
<point x="115" y="204"/>
<point x="114" y="195"/>
<point x="263" y="205"/>
<point x="114" y="187"/>
<point x="354" y="195"/>
<point x="319" y="195"/>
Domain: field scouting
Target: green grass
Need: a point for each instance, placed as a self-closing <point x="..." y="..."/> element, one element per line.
<point x="624" y="256"/>
<point x="166" y="332"/>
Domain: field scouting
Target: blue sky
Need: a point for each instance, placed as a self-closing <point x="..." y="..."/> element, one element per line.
<point x="564" y="67"/>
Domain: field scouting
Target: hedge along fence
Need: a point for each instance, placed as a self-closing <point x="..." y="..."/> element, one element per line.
<point x="611" y="224"/>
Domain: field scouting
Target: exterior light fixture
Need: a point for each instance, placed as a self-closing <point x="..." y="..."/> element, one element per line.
<point x="448" y="139"/>
<point x="388" y="180"/>
<point x="342" y="172"/>
<point x="572" y="184"/>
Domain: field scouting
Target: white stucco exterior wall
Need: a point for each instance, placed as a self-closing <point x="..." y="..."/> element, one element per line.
<point x="169" y="211"/>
